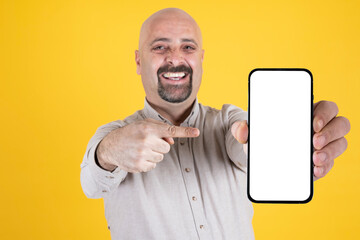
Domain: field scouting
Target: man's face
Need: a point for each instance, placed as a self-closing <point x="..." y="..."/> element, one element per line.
<point x="170" y="59"/>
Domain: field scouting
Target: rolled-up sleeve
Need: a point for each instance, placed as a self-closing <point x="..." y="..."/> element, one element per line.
<point x="95" y="181"/>
<point x="234" y="149"/>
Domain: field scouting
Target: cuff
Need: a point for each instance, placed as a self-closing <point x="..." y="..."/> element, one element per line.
<point x="104" y="176"/>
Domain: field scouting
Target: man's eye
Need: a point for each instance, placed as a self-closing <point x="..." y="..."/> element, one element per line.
<point x="159" y="48"/>
<point x="189" y="48"/>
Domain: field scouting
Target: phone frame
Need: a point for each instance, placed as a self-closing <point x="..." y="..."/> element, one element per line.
<point x="311" y="139"/>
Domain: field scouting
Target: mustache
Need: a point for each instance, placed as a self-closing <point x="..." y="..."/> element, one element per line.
<point x="180" y="68"/>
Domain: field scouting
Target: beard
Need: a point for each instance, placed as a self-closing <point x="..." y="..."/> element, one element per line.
<point x="175" y="93"/>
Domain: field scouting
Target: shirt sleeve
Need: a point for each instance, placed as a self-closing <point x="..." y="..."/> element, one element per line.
<point x="234" y="149"/>
<point x="95" y="181"/>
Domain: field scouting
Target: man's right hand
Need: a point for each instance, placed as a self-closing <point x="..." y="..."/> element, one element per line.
<point x="139" y="146"/>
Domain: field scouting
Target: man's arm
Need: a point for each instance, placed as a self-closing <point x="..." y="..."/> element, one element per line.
<point x="96" y="181"/>
<point x="117" y="149"/>
<point x="235" y="150"/>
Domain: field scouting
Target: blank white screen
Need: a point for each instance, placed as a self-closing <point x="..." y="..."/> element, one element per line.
<point x="280" y="135"/>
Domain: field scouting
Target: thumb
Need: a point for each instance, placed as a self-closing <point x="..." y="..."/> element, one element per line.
<point x="239" y="130"/>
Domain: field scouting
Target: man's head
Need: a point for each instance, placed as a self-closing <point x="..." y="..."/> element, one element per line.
<point x="170" y="57"/>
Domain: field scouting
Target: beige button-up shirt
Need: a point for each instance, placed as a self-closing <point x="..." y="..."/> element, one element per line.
<point x="198" y="191"/>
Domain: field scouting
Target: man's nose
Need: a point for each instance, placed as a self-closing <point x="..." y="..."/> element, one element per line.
<point x="175" y="58"/>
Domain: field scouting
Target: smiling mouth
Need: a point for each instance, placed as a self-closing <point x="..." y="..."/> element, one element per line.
<point x="174" y="76"/>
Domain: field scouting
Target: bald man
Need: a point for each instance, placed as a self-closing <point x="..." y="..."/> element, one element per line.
<point x="177" y="169"/>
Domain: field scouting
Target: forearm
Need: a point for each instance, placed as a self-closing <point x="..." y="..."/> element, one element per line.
<point x="97" y="182"/>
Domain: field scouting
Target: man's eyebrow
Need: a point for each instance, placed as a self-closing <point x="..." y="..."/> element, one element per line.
<point x="160" y="40"/>
<point x="169" y="40"/>
<point x="189" y="40"/>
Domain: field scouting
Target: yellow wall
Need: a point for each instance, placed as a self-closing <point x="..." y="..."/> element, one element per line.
<point x="67" y="67"/>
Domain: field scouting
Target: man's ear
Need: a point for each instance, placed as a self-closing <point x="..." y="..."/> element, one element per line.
<point x="137" y="60"/>
<point x="202" y="55"/>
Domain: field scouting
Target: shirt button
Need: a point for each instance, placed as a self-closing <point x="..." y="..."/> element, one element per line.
<point x="182" y="143"/>
<point x="194" y="198"/>
<point x="201" y="226"/>
<point x="187" y="169"/>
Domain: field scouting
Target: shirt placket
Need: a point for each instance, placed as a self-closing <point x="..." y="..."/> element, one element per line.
<point x="186" y="160"/>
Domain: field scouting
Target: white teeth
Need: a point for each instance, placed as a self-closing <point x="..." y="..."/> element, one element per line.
<point x="174" y="75"/>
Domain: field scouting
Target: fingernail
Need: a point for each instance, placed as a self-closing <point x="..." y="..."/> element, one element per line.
<point x="320" y="124"/>
<point x="194" y="131"/>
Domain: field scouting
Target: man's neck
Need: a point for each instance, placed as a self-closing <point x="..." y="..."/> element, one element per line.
<point x="176" y="113"/>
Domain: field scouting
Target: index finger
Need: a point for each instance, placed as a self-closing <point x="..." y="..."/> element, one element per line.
<point x="171" y="131"/>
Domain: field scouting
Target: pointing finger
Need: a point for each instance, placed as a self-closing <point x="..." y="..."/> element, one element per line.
<point x="170" y="131"/>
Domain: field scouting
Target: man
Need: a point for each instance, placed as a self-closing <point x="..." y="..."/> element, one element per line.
<point x="177" y="169"/>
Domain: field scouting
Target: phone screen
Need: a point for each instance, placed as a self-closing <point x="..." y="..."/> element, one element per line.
<point x="280" y="167"/>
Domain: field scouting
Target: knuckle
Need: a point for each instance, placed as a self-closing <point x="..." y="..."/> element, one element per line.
<point x="141" y="154"/>
<point x="142" y="141"/>
<point x="172" y="130"/>
<point x="138" y="164"/>
<point x="144" y="169"/>
<point x="137" y="156"/>
<point x="187" y="131"/>
<point x="145" y="128"/>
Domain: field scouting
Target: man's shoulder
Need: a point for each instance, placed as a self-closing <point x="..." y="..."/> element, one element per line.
<point x="137" y="116"/>
<point x="226" y="116"/>
<point x="225" y="109"/>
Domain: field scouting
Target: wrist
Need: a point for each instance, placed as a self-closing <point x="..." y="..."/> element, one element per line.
<point x="100" y="159"/>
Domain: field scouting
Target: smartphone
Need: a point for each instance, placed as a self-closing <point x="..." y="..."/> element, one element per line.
<point x="280" y="147"/>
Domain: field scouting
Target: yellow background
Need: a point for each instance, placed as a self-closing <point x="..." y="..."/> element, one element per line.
<point x="67" y="67"/>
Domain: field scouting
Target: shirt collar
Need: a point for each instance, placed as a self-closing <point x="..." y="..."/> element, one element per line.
<point x="150" y="112"/>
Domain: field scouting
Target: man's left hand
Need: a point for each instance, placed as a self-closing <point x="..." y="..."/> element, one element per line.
<point x="328" y="140"/>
